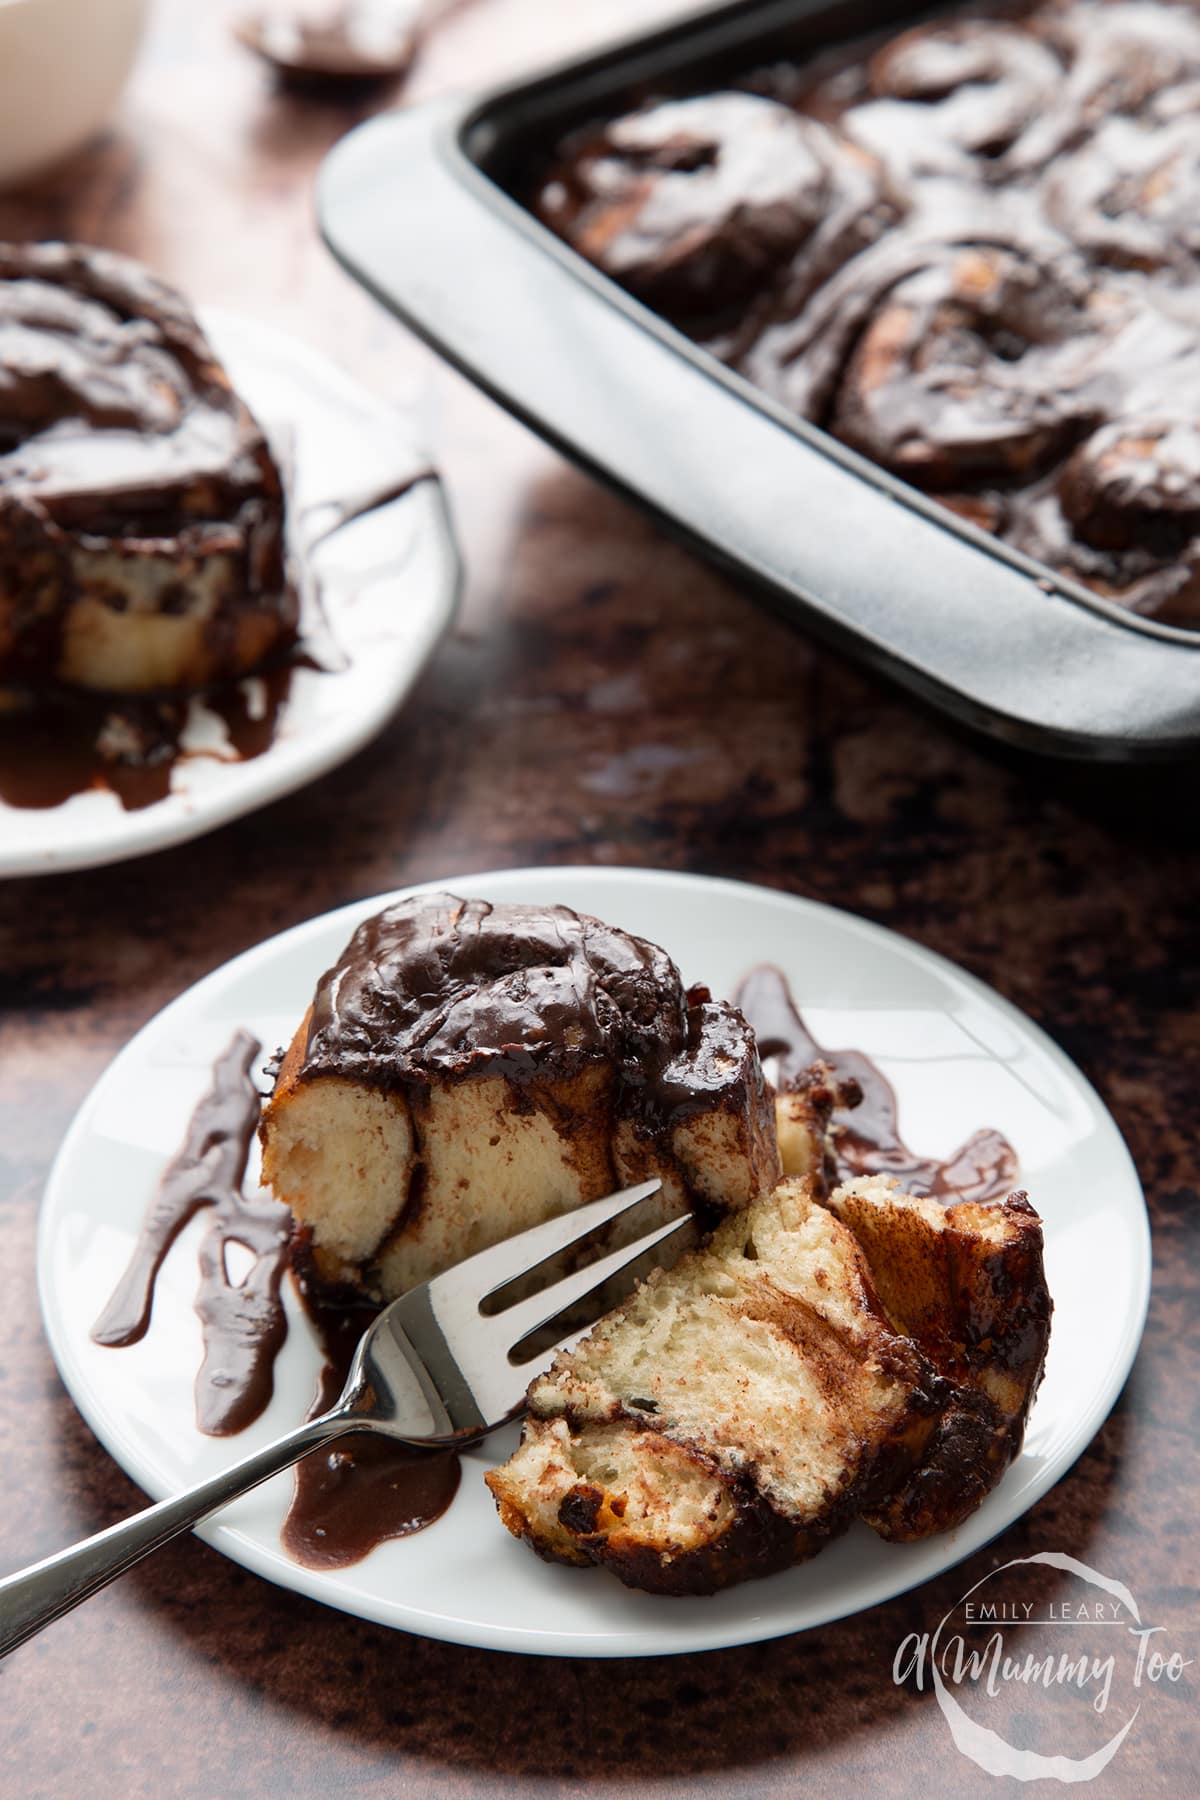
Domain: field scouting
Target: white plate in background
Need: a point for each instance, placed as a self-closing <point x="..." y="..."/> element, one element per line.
<point x="958" y="1056"/>
<point x="389" y="584"/>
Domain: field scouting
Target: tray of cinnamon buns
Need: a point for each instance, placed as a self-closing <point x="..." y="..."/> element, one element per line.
<point x="894" y="313"/>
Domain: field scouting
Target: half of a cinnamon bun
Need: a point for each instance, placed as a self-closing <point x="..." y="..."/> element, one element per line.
<point x="141" y="511"/>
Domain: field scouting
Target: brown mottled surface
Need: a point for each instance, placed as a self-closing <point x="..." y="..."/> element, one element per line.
<point x="604" y="699"/>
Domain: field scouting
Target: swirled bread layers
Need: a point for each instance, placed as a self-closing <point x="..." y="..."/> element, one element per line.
<point x="466" y="1070"/>
<point x="141" y="513"/>
<point x="739" y="1410"/>
<point x="969" y="251"/>
<point x="875" y="1356"/>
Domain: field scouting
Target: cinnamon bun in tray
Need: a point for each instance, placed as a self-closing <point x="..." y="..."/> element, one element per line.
<point x="970" y="252"/>
<point x="898" y="315"/>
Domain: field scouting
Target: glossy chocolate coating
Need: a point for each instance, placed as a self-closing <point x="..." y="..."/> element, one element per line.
<point x="1023" y="292"/>
<point x="114" y="412"/>
<point x="441" y="987"/>
<point x="695" y="203"/>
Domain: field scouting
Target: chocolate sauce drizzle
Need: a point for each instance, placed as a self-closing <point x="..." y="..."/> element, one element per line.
<point x="361" y="1490"/>
<point x="244" y="1324"/>
<point x="867" y="1140"/>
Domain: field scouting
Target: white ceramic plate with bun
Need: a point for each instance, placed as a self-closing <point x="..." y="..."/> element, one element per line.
<point x="388" y="582"/>
<point x="958" y="1056"/>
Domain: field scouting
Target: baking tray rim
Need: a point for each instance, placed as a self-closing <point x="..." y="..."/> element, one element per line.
<point x="418" y="160"/>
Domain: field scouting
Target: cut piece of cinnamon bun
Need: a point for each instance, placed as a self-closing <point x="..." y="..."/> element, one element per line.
<point x="466" y="1070"/>
<point x="730" y="1418"/>
<point x="873" y="1355"/>
<point x="966" y="1283"/>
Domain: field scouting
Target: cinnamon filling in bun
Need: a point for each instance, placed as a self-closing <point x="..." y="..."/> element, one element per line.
<point x="969" y="251"/>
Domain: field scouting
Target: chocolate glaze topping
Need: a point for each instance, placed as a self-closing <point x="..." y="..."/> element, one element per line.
<point x="866" y="1140"/>
<point x="970" y="251"/>
<point x="115" y="416"/>
<point x="438" y="986"/>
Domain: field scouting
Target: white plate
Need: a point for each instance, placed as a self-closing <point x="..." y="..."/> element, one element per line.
<point x="959" y="1057"/>
<point x="389" y="582"/>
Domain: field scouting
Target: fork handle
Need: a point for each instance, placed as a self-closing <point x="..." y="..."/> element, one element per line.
<point x="36" y="1596"/>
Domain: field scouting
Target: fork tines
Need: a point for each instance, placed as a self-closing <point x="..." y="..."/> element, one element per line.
<point x="518" y="1259"/>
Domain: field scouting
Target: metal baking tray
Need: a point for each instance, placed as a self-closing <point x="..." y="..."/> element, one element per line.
<point x="423" y="208"/>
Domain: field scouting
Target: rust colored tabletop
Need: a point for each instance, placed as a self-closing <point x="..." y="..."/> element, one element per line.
<point x="603" y="698"/>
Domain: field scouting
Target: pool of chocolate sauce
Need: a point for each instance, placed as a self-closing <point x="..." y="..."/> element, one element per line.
<point x="74" y="743"/>
<point x="361" y="1491"/>
<point x="61" y="742"/>
<point x="54" y="744"/>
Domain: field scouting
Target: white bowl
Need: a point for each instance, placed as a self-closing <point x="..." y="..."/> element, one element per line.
<point x="62" y="65"/>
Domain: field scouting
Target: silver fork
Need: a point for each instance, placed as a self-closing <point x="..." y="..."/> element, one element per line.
<point x="438" y="1332"/>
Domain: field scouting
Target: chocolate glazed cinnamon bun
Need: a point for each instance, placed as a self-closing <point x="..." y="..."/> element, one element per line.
<point x="141" y="513"/>
<point x="959" y="349"/>
<point x="1005" y="311"/>
<point x="1130" y="197"/>
<point x="693" y="205"/>
<point x="1123" y="515"/>
<point x="1120" y="60"/>
<point x="973" y="367"/>
<point x="1123" y="511"/>
<point x="943" y="93"/>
